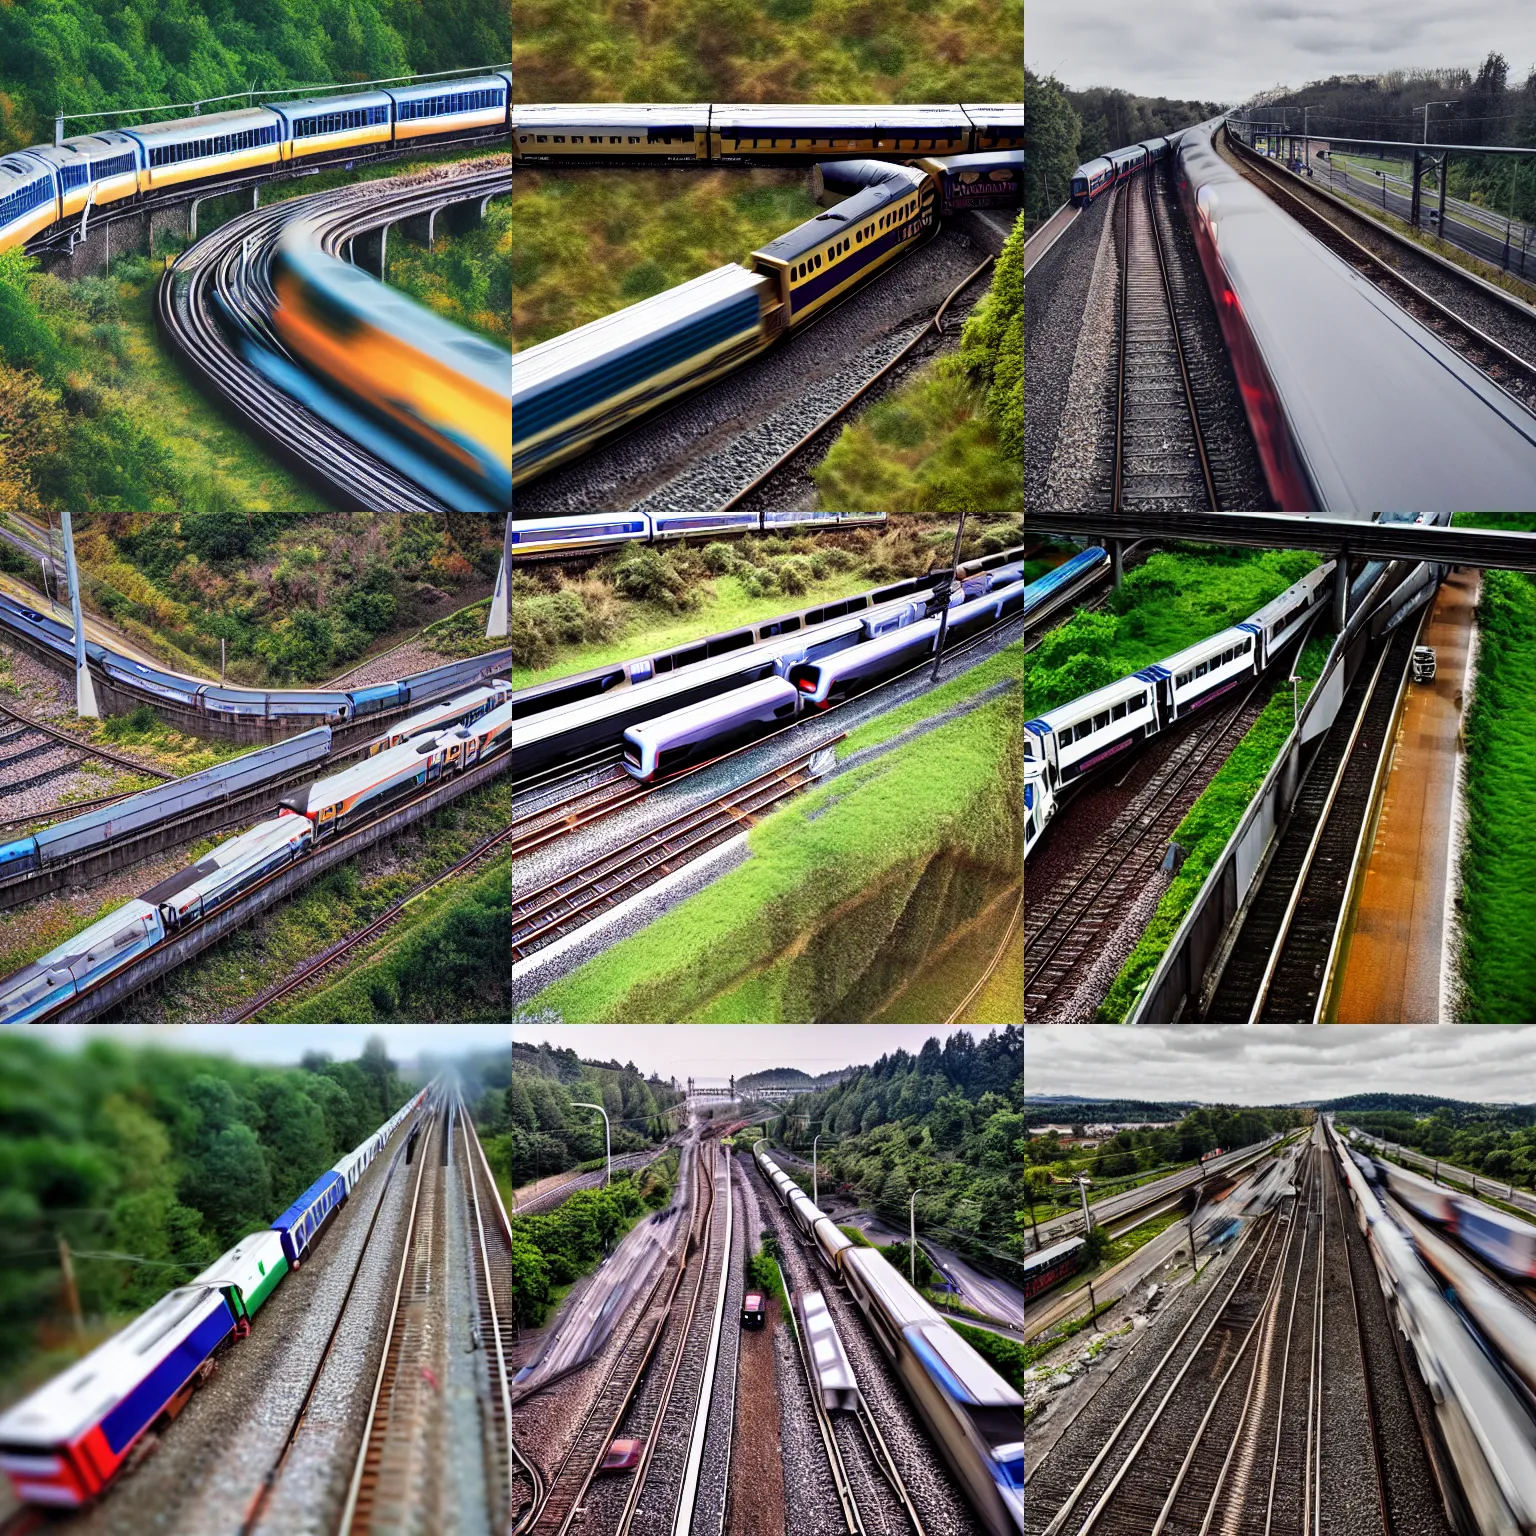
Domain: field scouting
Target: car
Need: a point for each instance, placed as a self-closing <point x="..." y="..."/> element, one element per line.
<point x="623" y="1456"/>
<point x="753" y="1310"/>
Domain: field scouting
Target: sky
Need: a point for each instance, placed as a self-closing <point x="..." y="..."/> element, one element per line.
<point x="710" y="1053"/>
<point x="1281" y="1064"/>
<point x="1213" y="50"/>
<point x="286" y="1044"/>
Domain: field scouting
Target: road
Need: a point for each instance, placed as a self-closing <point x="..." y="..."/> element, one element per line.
<point x="1111" y="1206"/>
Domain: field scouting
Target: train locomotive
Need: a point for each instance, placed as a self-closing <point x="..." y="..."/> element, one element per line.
<point x="1073" y="739"/>
<point x="66" y="1442"/>
<point x="1094" y="178"/>
<point x="43" y="185"/>
<point x="975" y="1417"/>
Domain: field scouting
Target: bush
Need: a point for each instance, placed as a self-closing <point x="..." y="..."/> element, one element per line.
<point x="655" y="576"/>
<point x="718" y="558"/>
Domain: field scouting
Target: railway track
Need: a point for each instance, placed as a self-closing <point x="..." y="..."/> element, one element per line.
<point x="223" y="280"/>
<point x="117" y="759"/>
<point x="934" y="329"/>
<point x="334" y="954"/>
<point x="1160" y="453"/>
<point x="515" y="1483"/>
<point x="547" y="1199"/>
<point x="568" y="1486"/>
<point x="258" y="1506"/>
<point x="1278" y="962"/>
<point x="1513" y="373"/>
<point x="573" y="899"/>
<point x="1060" y="933"/>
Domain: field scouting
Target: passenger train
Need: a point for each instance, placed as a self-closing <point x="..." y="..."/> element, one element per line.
<point x="1089" y="562"/>
<point x="575" y="535"/>
<point x="43" y="185"/>
<point x="1485" y="1418"/>
<point x="1075" y="738"/>
<point x="975" y="1417"/>
<point x="315" y="814"/>
<point x="582" y="386"/>
<point x="825" y="1355"/>
<point x="62" y="1445"/>
<point x="1096" y="177"/>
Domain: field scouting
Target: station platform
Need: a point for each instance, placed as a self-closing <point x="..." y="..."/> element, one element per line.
<point x="1393" y="961"/>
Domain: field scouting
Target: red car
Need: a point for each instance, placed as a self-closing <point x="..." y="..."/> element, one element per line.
<point x="623" y="1456"/>
<point x="753" y="1310"/>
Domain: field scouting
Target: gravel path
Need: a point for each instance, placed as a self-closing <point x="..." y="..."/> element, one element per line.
<point x="693" y="452"/>
<point x="192" y="1485"/>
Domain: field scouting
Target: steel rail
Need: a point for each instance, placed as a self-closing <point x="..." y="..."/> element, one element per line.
<point x="393" y="1343"/>
<point x="936" y="325"/>
<point x="84" y="746"/>
<point x="853" y="1521"/>
<point x="880" y="1454"/>
<point x="263" y="1493"/>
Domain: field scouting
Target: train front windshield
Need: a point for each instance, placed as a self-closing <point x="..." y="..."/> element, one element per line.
<point x="1079" y="186"/>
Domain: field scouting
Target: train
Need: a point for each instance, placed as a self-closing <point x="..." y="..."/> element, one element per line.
<point x="41" y="186"/>
<point x="1486" y="1424"/>
<point x="582" y="386"/>
<point x="1039" y="592"/>
<point x="1499" y="1239"/>
<point x="280" y="705"/>
<point x="1094" y="178"/>
<point x="315" y="814"/>
<point x="825" y="1355"/>
<point x="758" y="134"/>
<point x="66" y="1442"/>
<point x="976" y="1419"/>
<point x="1075" y="738"/>
<point x="1050" y="1266"/>
<point x="576" y="535"/>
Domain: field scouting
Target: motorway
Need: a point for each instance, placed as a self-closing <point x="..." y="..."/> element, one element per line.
<point x="1133" y="1200"/>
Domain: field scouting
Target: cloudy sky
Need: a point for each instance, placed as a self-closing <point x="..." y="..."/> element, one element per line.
<point x="1279" y="1064"/>
<point x="1214" y="50"/>
<point x="287" y="1043"/>
<point x="710" y="1053"/>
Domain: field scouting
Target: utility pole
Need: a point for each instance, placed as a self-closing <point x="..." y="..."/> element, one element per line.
<point x="954" y="571"/>
<point x="500" y="621"/>
<point x="912" y="1239"/>
<point x="607" y="1140"/>
<point x="85" y="693"/>
<point x="815" y="1186"/>
<point x="71" y="1295"/>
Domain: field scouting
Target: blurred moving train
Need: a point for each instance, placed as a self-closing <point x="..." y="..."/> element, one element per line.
<point x="975" y="1417"/>
<point x="582" y="386"/>
<point x="63" y="1444"/>
<point x="1050" y="1266"/>
<point x="572" y="535"/>
<point x="1484" y="1418"/>
<point x="1075" y="738"/>
<point x="315" y="814"/>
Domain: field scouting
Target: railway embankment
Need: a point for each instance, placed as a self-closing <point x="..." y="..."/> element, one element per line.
<point x="842" y="896"/>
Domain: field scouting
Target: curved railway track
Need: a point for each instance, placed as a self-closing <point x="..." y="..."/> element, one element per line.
<point x="1513" y="373"/>
<point x="223" y="281"/>
<point x="117" y="759"/>
<point x="1160" y="453"/>
<point x="933" y="329"/>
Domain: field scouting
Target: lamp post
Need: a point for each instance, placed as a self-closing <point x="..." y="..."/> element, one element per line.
<point x="815" y="1187"/>
<point x="912" y="1239"/>
<point x="607" y="1138"/>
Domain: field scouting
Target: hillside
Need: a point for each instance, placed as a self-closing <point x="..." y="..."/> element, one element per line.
<point x="948" y="1121"/>
<point x="790" y="1077"/>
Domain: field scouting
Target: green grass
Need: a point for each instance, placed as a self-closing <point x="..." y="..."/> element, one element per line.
<point x="1207" y="826"/>
<point x="1176" y="598"/>
<point x="466" y="278"/>
<point x="846" y="890"/>
<point x="1064" y="1331"/>
<point x="856" y="1237"/>
<point x="1005" y="1354"/>
<point x="1497" y="902"/>
<point x="1006" y="666"/>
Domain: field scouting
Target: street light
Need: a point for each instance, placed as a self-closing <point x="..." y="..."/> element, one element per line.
<point x="607" y="1138"/>
<point x="912" y="1239"/>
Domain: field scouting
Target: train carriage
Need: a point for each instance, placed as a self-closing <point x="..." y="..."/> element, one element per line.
<point x="1092" y="179"/>
<point x="302" y="1223"/>
<point x="29" y="198"/>
<point x="230" y="869"/>
<point x="248" y="1273"/>
<point x="1190" y="679"/>
<point x="995" y="124"/>
<point x="802" y="132"/>
<point x="99" y="951"/>
<point x="61" y="1445"/>
<point x="197" y="148"/>
<point x="835" y="1381"/>
<point x="323" y="124"/>
<point x="831" y="1243"/>
<point x="463" y="710"/>
<point x="1506" y="1242"/>
<point x="449" y="106"/>
<point x="332" y="804"/>
<point x="648" y="134"/>
<point x="1050" y="1266"/>
<point x="93" y="170"/>
<point x="653" y="748"/>
<point x="991" y="179"/>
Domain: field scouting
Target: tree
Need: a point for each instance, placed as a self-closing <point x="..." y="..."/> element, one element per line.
<point x="1051" y="131"/>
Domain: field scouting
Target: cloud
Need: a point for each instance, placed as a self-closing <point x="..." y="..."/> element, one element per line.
<point x="1281" y="1063"/>
<point x="1207" y="50"/>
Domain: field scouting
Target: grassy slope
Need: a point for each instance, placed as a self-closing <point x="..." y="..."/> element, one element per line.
<point x="1210" y="821"/>
<point x="1498" y="869"/>
<point x="821" y="912"/>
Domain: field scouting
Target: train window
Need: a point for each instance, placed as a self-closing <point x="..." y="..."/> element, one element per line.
<point x="1101" y="721"/>
<point x="818" y="260"/>
<point x="614" y="138"/>
<point x="1118" y="712"/>
<point x="559" y="138"/>
<point x="633" y="139"/>
<point x="542" y="139"/>
<point x="576" y="138"/>
<point x="1201" y="670"/>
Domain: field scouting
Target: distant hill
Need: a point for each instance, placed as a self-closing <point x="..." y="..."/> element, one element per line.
<point x="791" y="1079"/>
<point x="1038" y="1107"/>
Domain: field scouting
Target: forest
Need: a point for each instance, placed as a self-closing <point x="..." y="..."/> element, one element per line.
<point x="1500" y="1143"/>
<point x="948" y="1121"/>
<point x="149" y="1163"/>
<point x="1063" y="128"/>
<point x="549" y="1136"/>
